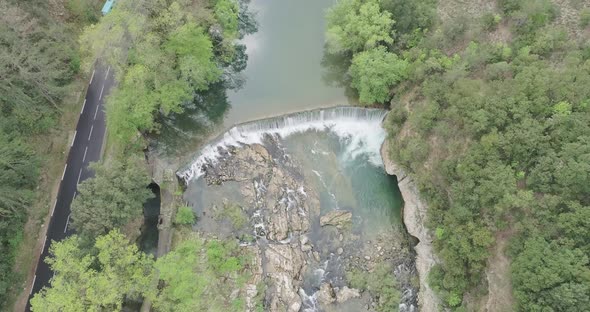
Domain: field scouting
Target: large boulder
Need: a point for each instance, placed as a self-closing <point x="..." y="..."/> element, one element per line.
<point x="343" y="294"/>
<point x="337" y="218"/>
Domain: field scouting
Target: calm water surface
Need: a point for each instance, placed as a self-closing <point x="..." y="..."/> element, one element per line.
<point x="284" y="72"/>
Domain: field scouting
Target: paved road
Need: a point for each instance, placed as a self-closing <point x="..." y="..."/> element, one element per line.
<point x="85" y="148"/>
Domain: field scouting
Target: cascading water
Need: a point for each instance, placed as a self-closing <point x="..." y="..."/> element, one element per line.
<point x="362" y="126"/>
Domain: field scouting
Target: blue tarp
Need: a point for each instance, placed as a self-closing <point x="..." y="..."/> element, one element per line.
<point x="107" y="6"/>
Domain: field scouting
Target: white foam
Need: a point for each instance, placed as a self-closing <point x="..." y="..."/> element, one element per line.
<point x="360" y="127"/>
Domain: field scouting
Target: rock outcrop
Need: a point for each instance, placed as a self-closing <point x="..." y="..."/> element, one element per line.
<point x="414" y="217"/>
<point x="337" y="218"/>
<point x="284" y="266"/>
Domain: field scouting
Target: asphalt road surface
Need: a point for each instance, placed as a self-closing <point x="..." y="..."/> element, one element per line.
<point x="85" y="148"/>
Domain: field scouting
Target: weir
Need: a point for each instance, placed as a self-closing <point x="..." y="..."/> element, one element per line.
<point x="360" y="125"/>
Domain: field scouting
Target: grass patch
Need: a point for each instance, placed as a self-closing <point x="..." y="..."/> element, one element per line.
<point x="380" y="283"/>
<point x="234" y="214"/>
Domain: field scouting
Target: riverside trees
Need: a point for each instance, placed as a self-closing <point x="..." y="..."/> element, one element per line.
<point x="495" y="135"/>
<point x="363" y="31"/>
<point x="164" y="52"/>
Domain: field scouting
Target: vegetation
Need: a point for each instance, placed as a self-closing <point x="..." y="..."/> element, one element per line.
<point x="118" y="190"/>
<point x="166" y="54"/>
<point x="495" y="136"/>
<point x="380" y="283"/>
<point x="185" y="215"/>
<point x="200" y="275"/>
<point x="374" y="72"/>
<point x="100" y="279"/>
<point x="163" y="55"/>
<point x="38" y="62"/>
<point x="234" y="214"/>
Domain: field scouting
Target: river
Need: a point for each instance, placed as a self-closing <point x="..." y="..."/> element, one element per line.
<point x="311" y="161"/>
<point x="284" y="72"/>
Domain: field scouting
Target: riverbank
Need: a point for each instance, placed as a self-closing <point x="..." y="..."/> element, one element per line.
<point x="414" y="217"/>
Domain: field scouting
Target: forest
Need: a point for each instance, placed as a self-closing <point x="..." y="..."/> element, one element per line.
<point x="39" y="68"/>
<point x="490" y="116"/>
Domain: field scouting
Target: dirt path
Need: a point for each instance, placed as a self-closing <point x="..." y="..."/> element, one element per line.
<point x="500" y="297"/>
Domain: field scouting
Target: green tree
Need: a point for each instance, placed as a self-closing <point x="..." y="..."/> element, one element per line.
<point x="548" y="276"/>
<point x="200" y="275"/>
<point x="37" y="61"/>
<point x="355" y="25"/>
<point x="375" y="72"/>
<point x="18" y="178"/>
<point x="112" y="198"/>
<point x="99" y="280"/>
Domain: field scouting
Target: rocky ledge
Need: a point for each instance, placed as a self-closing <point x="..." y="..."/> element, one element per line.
<point x="414" y="217"/>
<point x="302" y="256"/>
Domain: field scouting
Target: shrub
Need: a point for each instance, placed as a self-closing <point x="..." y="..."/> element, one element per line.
<point x="490" y="21"/>
<point x="184" y="215"/>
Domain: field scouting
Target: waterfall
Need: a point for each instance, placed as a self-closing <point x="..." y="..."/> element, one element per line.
<point x="360" y="126"/>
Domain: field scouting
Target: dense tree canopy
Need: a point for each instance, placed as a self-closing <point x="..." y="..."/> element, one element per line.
<point x="495" y="134"/>
<point x="100" y="280"/>
<point x="112" y="198"/>
<point x="163" y="54"/>
<point x="355" y="25"/>
<point x="374" y="72"/>
<point x="200" y="275"/>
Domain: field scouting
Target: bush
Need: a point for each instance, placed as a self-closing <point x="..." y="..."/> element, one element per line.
<point x="184" y="215"/>
<point x="585" y="18"/>
<point x="234" y="214"/>
<point x="490" y="21"/>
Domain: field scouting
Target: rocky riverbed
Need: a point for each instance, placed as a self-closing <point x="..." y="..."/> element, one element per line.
<point x="307" y="258"/>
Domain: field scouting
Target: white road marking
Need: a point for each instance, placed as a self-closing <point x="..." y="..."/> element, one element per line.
<point x="96" y="112"/>
<point x="85" y="150"/>
<point x="105" y="76"/>
<point x="100" y="97"/>
<point x="74" y="197"/>
<point x="83" y="105"/>
<point x="33" y="285"/>
<point x="91" y="128"/>
<point x="74" y="139"/>
<point x="44" y="242"/>
<point x="92" y="77"/>
<point x="63" y="174"/>
<point x="67" y="222"/>
<point x="79" y="175"/>
<point x="53" y="210"/>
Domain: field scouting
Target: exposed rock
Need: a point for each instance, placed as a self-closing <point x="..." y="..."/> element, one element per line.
<point x="287" y="209"/>
<point x="339" y="251"/>
<point x="284" y="267"/>
<point x="346" y="293"/>
<point x="246" y="163"/>
<point x="337" y="218"/>
<point x="316" y="256"/>
<point x="256" y="271"/>
<point x="414" y="217"/>
<point x="303" y="239"/>
<point x="305" y="248"/>
<point x="326" y="294"/>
